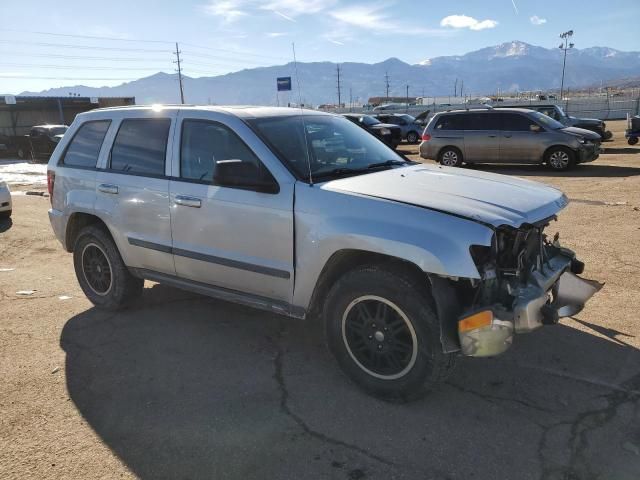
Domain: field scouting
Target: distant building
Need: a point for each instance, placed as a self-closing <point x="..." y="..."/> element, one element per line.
<point x="375" y="101"/>
<point x="19" y="113"/>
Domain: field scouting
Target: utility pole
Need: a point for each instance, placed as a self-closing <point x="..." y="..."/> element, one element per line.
<point x="455" y="88"/>
<point x="461" y="87"/>
<point x="386" y="82"/>
<point x="339" y="92"/>
<point x="177" y="54"/>
<point x="565" y="45"/>
<point x="350" y="99"/>
<point x="407" y="104"/>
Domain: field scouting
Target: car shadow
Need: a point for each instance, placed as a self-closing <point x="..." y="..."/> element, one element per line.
<point x="182" y="386"/>
<point x="585" y="170"/>
<point x="5" y="224"/>
<point x="623" y="150"/>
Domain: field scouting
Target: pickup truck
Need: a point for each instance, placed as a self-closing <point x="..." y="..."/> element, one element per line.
<point x="305" y="214"/>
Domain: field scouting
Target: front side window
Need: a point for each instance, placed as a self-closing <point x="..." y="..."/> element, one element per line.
<point x="140" y="146"/>
<point x="323" y="144"/>
<point x="85" y="146"/>
<point x="206" y="144"/>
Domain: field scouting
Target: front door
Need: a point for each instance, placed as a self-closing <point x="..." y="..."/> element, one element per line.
<point x="236" y="238"/>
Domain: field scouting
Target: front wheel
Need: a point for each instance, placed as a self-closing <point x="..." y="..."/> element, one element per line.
<point x="22" y="153"/>
<point x="632" y="140"/>
<point x="103" y="276"/>
<point x="560" y="158"/>
<point x="382" y="329"/>
<point x="607" y="135"/>
<point x="450" y="157"/>
<point x="412" y="137"/>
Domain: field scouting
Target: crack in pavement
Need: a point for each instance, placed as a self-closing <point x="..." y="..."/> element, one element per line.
<point x="582" y="425"/>
<point x="284" y="407"/>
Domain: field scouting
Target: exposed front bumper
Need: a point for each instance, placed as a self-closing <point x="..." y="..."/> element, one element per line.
<point x="551" y="293"/>
<point x="588" y="153"/>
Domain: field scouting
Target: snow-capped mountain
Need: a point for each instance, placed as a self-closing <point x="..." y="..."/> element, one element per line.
<point x="509" y="66"/>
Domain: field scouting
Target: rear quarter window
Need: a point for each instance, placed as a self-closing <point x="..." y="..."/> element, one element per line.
<point x="140" y="146"/>
<point x="450" y="122"/>
<point x="84" y="148"/>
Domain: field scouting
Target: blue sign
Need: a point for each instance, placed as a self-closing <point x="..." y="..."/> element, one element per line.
<point x="284" y="84"/>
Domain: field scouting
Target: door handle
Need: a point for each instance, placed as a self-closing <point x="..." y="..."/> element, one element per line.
<point x="492" y="136"/>
<point x="108" y="188"/>
<point x="187" y="201"/>
<point x="507" y="136"/>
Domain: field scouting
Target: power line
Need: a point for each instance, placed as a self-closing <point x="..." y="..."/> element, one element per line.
<point x="95" y="37"/>
<point x="84" y="47"/>
<point x="82" y="57"/>
<point x="74" y="67"/>
<point x="30" y="77"/>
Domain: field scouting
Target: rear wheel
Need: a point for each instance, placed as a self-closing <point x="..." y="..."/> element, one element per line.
<point x="412" y="137"/>
<point x="383" y="331"/>
<point x="560" y="158"/>
<point x="632" y="140"/>
<point x="607" y="135"/>
<point x="22" y="153"/>
<point x="450" y="157"/>
<point x="103" y="276"/>
<point x="5" y="214"/>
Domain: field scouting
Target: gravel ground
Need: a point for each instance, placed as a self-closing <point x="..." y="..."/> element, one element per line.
<point x="183" y="386"/>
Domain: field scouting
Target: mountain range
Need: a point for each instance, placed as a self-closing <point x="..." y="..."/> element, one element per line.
<point x="511" y="66"/>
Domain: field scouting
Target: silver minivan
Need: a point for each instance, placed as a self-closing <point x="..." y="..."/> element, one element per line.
<point x="513" y="135"/>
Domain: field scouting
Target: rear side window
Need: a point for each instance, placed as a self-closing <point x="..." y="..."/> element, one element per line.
<point x="85" y="146"/>
<point x="140" y="146"/>
<point x="516" y="123"/>
<point x="482" y="121"/>
<point x="450" y="122"/>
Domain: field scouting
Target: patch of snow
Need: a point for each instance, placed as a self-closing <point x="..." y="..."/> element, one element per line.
<point x="426" y="61"/>
<point x="19" y="172"/>
<point x="513" y="49"/>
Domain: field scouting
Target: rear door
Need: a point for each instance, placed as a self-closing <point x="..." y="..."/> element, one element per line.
<point x="133" y="189"/>
<point x="520" y="138"/>
<point x="237" y="238"/>
<point x="481" y="143"/>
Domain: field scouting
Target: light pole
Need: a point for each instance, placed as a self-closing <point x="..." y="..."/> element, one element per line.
<point x="565" y="45"/>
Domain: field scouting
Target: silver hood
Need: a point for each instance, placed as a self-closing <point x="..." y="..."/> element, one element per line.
<point x="483" y="197"/>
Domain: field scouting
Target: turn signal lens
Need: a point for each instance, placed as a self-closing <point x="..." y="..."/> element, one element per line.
<point x="477" y="320"/>
<point x="426" y="137"/>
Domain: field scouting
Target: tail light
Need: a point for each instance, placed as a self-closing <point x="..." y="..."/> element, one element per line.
<point x="426" y="137"/>
<point x="51" y="179"/>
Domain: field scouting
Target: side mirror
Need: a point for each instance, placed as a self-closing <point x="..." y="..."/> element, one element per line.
<point x="236" y="173"/>
<point x="535" y="128"/>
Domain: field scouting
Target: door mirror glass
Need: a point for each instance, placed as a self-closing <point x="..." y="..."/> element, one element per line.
<point x="237" y="173"/>
<point x="535" y="128"/>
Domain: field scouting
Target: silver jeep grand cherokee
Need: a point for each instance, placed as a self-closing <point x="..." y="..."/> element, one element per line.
<point x="307" y="215"/>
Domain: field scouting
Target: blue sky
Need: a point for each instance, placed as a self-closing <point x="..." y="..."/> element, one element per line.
<point x="70" y="42"/>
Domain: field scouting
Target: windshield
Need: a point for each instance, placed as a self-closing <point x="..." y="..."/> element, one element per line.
<point x="547" y="121"/>
<point x="368" y="120"/>
<point x="407" y="118"/>
<point x="57" y="131"/>
<point x="561" y="111"/>
<point x="335" y="145"/>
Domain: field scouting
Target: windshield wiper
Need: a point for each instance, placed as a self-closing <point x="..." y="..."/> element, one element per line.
<point x="388" y="163"/>
<point x="338" y="171"/>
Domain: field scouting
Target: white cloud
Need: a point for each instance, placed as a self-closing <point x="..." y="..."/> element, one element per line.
<point x="536" y="20"/>
<point x="228" y="10"/>
<point x="286" y="17"/>
<point x="294" y="8"/>
<point x="276" y="34"/>
<point x="463" y="21"/>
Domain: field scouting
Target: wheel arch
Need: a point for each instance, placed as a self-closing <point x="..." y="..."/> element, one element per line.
<point x="77" y="221"/>
<point x="557" y="145"/>
<point x="443" y="292"/>
<point x="451" y="146"/>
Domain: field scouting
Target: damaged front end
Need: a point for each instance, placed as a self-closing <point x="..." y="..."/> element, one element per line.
<point x="527" y="281"/>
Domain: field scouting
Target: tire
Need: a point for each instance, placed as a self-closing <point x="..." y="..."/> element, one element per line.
<point x="632" y="140"/>
<point x="560" y="158"/>
<point x="356" y="340"/>
<point x="608" y="135"/>
<point x="6" y="214"/>
<point x="412" y="137"/>
<point x="450" y="157"/>
<point x="21" y="153"/>
<point x="103" y="276"/>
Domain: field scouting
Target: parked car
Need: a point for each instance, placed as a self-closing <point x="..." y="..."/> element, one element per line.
<point x="388" y="133"/>
<point x="408" y="265"/>
<point x="40" y="142"/>
<point x="557" y="113"/>
<point x="5" y="200"/>
<point x="513" y="135"/>
<point x="410" y="129"/>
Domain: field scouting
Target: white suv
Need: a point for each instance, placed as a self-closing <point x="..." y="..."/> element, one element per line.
<point x="306" y="214"/>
